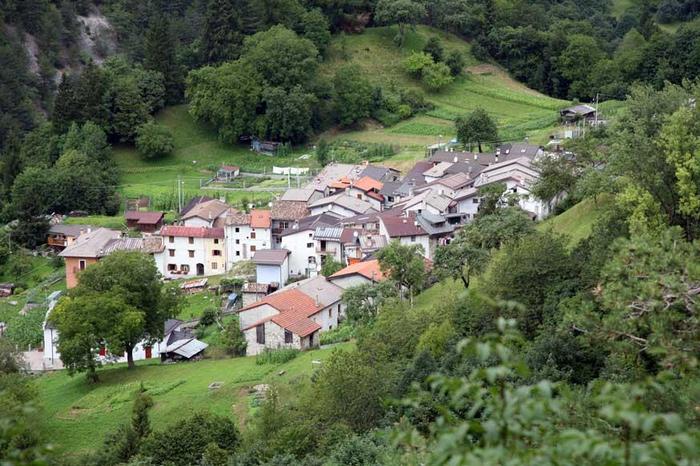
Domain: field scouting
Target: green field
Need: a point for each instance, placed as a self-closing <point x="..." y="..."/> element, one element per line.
<point x="198" y="153"/>
<point x="519" y="111"/>
<point x="79" y="414"/>
<point x="577" y="221"/>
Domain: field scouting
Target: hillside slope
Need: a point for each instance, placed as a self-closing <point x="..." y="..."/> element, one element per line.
<point x="78" y="415"/>
<point x="519" y="111"/>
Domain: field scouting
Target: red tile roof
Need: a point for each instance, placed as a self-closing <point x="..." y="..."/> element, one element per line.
<point x="195" y="232"/>
<point x="287" y="301"/>
<point x="144" y="218"/>
<point x="369" y="269"/>
<point x="294" y="307"/>
<point x="296" y="323"/>
<point x="368" y="184"/>
<point x="260" y="219"/>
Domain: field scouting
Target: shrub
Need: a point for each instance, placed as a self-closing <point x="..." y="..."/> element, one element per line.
<point x="184" y="442"/>
<point x="276" y="356"/>
<point x="154" y="141"/>
<point x="436" y="76"/>
<point x="416" y="62"/>
<point x="233" y="339"/>
<point x="455" y="61"/>
<point x="435" y="49"/>
<point x="209" y="316"/>
<point x="344" y="332"/>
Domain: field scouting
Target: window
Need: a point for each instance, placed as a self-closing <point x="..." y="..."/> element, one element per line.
<point x="237" y="230"/>
<point x="309" y="245"/>
<point x="191" y="252"/>
<point x="171" y="239"/>
<point x="359" y="196"/>
<point x="413" y="239"/>
<point x="214" y="265"/>
<point x="278" y="239"/>
<point x="330" y="312"/>
<point x="288" y="337"/>
<point x="338" y="308"/>
<point x="190" y="240"/>
<point x="171" y="252"/>
<point x="238" y="253"/>
<point x="172" y="267"/>
<point x="185" y="268"/>
<point x="216" y="252"/>
<point x="311" y="235"/>
<point x="238" y="241"/>
<point x="284" y="225"/>
<point x="82" y="264"/>
<point x="216" y="240"/>
<point x="260" y="334"/>
<point x="252" y="235"/>
<point x="475" y="200"/>
<point x="252" y="248"/>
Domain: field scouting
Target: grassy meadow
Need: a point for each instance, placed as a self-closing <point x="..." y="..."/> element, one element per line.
<point x="576" y="222"/>
<point x="519" y="111"/>
<point x="78" y="415"/>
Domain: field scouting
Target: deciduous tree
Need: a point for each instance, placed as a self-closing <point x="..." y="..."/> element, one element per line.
<point x="477" y="127"/>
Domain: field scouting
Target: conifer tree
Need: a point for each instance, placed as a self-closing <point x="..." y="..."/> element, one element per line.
<point x="221" y="36"/>
<point x="160" y="56"/>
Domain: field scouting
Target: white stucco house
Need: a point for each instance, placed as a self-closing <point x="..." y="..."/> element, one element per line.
<point x="518" y="175"/>
<point x="246" y="234"/>
<point x="406" y="230"/>
<point x="191" y="251"/>
<point x="299" y="239"/>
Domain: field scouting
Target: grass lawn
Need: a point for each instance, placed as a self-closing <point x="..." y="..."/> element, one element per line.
<point x="577" y="221"/>
<point x="40" y="280"/>
<point x="78" y="415"/>
<point x="519" y="111"/>
<point x="194" y="304"/>
<point x="198" y="153"/>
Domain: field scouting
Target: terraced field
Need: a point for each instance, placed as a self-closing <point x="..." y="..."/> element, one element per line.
<point x="519" y="111"/>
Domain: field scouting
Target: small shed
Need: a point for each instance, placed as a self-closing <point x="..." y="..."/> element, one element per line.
<point x="265" y="147"/>
<point x="586" y="113"/>
<point x="272" y="265"/>
<point x="145" y="222"/>
<point x="227" y="172"/>
<point x="194" y="286"/>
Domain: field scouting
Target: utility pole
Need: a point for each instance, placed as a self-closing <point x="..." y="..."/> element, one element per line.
<point x="596" y="109"/>
<point x="179" y="194"/>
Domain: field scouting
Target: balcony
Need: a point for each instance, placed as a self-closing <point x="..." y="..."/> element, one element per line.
<point x="57" y="241"/>
<point x="327" y="251"/>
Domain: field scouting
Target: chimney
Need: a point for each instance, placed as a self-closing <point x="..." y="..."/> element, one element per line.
<point x="455" y="159"/>
<point x="496" y="158"/>
<point x="476" y="156"/>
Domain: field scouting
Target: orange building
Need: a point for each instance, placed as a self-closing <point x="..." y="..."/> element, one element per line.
<point x="90" y="247"/>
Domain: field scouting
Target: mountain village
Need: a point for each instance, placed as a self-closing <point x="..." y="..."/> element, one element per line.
<point x="345" y="213"/>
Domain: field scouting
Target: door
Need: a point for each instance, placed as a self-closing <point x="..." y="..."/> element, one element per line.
<point x="200" y="269"/>
<point x="148" y="352"/>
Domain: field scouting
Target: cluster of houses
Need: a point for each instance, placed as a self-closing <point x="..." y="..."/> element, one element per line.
<point x="345" y="214"/>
